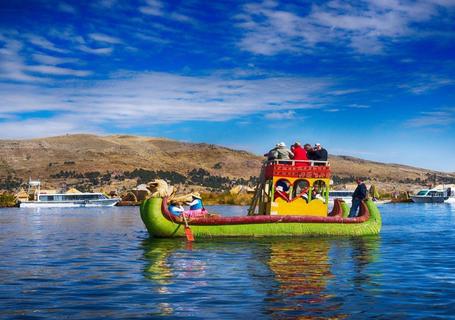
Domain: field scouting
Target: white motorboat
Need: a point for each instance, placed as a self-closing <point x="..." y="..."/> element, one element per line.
<point x="66" y="200"/>
<point x="345" y="195"/>
<point x="431" y="196"/>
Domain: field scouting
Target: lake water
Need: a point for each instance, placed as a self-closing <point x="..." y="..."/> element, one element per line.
<point x="95" y="263"/>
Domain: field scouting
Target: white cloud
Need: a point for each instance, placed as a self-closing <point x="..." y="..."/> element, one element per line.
<point x="104" y="38"/>
<point x="39" y="127"/>
<point x="58" y="71"/>
<point x="152" y="7"/>
<point x="167" y="98"/>
<point x="12" y="66"/>
<point x="287" y="115"/>
<point x="52" y="60"/>
<point x="157" y="8"/>
<point x="359" y="106"/>
<point x="65" y="7"/>
<point x="366" y="27"/>
<point x="97" y="51"/>
<point x="440" y="118"/>
<point x="44" y="43"/>
<point x="422" y="83"/>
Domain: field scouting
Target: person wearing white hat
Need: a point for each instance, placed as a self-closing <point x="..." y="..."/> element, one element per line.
<point x="280" y="152"/>
<point x="284" y="153"/>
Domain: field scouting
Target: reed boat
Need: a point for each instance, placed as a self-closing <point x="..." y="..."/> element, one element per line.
<point x="161" y="223"/>
<point x="291" y="199"/>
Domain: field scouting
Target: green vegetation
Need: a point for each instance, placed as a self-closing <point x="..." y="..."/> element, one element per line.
<point x="10" y="183"/>
<point x="7" y="200"/>
<point x="144" y="176"/>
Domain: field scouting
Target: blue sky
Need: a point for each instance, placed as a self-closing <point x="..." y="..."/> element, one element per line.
<point x="372" y="79"/>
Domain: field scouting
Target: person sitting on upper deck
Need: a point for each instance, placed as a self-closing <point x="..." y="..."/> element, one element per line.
<point x="299" y="155"/>
<point x="311" y="155"/>
<point x="283" y="152"/>
<point x="320" y="154"/>
<point x="272" y="154"/>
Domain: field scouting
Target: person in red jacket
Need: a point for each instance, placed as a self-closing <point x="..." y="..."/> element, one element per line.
<point x="299" y="154"/>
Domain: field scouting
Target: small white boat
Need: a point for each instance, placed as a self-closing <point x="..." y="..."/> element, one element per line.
<point x="430" y="196"/>
<point x="62" y="200"/>
<point x="66" y="200"/>
<point x="345" y="195"/>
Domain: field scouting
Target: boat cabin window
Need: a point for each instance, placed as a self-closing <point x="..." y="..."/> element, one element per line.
<point x="422" y="193"/>
<point x="72" y="197"/>
<point x="319" y="190"/>
<point x="301" y="187"/>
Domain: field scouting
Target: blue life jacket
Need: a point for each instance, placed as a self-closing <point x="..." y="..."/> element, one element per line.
<point x="198" y="205"/>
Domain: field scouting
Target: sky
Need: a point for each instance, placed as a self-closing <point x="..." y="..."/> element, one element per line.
<point x="373" y="79"/>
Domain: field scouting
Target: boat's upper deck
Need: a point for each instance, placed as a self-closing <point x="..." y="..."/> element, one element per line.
<point x="297" y="169"/>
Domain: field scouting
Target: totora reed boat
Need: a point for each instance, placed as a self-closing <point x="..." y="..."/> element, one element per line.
<point x="290" y="200"/>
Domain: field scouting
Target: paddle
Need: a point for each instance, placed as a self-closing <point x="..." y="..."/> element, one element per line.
<point x="188" y="233"/>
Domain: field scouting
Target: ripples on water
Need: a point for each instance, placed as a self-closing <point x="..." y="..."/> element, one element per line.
<point x="93" y="263"/>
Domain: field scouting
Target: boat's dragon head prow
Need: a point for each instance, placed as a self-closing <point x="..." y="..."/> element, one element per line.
<point x="159" y="188"/>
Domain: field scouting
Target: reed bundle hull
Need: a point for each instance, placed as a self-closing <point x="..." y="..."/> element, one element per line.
<point x="160" y="224"/>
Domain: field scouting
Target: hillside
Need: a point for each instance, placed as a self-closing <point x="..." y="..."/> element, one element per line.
<point x="120" y="161"/>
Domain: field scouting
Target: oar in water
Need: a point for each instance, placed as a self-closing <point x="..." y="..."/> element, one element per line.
<point x="188" y="233"/>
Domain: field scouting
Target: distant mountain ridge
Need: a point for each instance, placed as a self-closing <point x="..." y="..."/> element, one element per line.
<point x="84" y="160"/>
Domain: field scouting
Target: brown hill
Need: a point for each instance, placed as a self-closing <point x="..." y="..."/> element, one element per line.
<point x="85" y="161"/>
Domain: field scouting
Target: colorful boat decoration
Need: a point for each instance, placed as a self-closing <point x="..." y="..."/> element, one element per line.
<point x="290" y="200"/>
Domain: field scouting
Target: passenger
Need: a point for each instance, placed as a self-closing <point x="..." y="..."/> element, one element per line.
<point x="285" y="185"/>
<point x="284" y="153"/>
<point x="320" y="154"/>
<point x="316" y="194"/>
<point x="311" y="155"/>
<point x="358" y="196"/>
<point x="299" y="154"/>
<point x="272" y="154"/>
<point x="196" y="207"/>
<point x="282" y="187"/>
<point x="176" y="208"/>
<point x="374" y="194"/>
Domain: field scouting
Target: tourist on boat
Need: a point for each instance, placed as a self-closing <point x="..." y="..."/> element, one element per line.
<point x="280" y="152"/>
<point x="321" y="154"/>
<point x="300" y="155"/>
<point x="176" y="208"/>
<point x="196" y="207"/>
<point x="283" y="152"/>
<point x="272" y="154"/>
<point x="358" y="196"/>
<point x="311" y="155"/>
<point x="374" y="194"/>
<point x="282" y="187"/>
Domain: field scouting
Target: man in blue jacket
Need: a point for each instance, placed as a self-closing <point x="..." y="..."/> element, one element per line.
<point x="359" y="195"/>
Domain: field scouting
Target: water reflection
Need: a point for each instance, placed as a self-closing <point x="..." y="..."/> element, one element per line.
<point x="365" y="250"/>
<point x="287" y="278"/>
